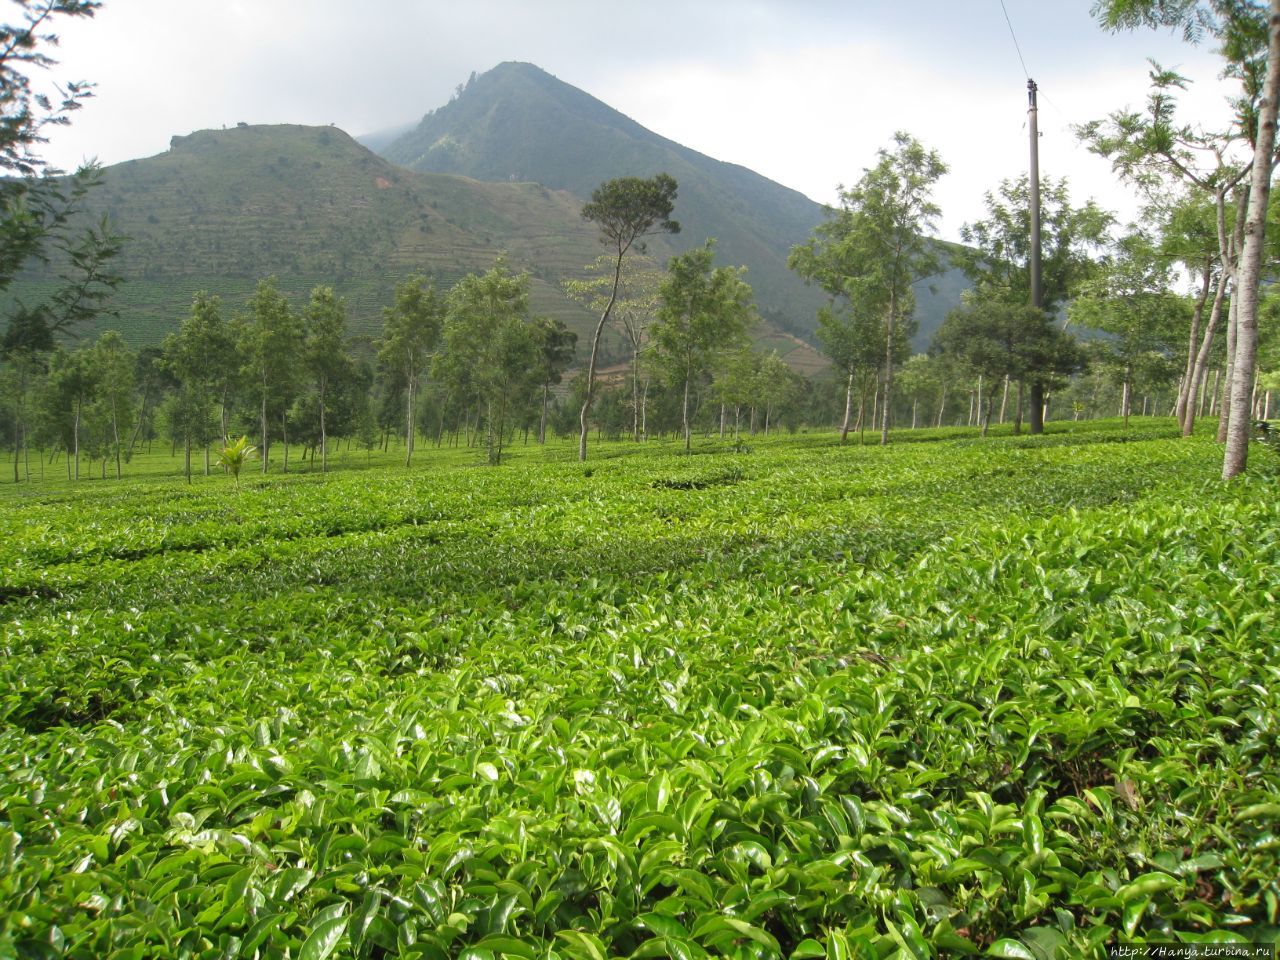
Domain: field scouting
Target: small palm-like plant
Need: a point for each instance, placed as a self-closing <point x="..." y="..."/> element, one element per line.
<point x="234" y="456"/>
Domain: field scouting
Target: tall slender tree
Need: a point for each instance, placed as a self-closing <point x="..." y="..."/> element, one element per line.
<point x="324" y="352"/>
<point x="411" y="328"/>
<point x="24" y="353"/>
<point x="554" y="343"/>
<point x="635" y="305"/>
<point x="203" y="357"/>
<point x="996" y="261"/>
<point x="70" y="389"/>
<point x="874" y="248"/>
<point x="1154" y="149"/>
<point x="1130" y="299"/>
<point x="271" y="343"/>
<point x="703" y="309"/>
<point x="1189" y="237"/>
<point x="1248" y="35"/>
<point x="626" y="210"/>
<point x="113" y="364"/>
<point x="490" y="348"/>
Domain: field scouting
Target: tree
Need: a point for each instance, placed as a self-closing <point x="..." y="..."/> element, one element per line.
<point x="736" y="382"/>
<point x="113" y="364"/>
<point x="1190" y="237"/>
<point x="702" y="310"/>
<point x="776" y="386"/>
<point x="1243" y="31"/>
<point x="202" y="357"/>
<point x="851" y="335"/>
<point x="873" y="249"/>
<point x="554" y="343"/>
<point x="1152" y="150"/>
<point x="996" y="339"/>
<point x="26" y="343"/>
<point x="71" y="383"/>
<point x="21" y="372"/>
<point x="626" y="210"/>
<point x="152" y="379"/>
<point x="410" y="331"/>
<point x="997" y="259"/>
<point x="270" y="343"/>
<point x="922" y="378"/>
<point x="24" y="114"/>
<point x="634" y="307"/>
<point x="1131" y="301"/>
<point x="490" y="351"/>
<point x="323" y="351"/>
<point x="37" y="208"/>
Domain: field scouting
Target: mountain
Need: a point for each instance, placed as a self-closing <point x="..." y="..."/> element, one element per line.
<point x="519" y="123"/>
<point x="222" y="209"/>
<point x="502" y="169"/>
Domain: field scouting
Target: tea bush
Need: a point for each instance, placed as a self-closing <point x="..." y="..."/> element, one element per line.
<point x="1015" y="698"/>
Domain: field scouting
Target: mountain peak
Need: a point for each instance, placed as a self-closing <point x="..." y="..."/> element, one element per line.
<point x="519" y="122"/>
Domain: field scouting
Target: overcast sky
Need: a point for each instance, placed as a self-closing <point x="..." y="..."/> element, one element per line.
<point x="802" y="92"/>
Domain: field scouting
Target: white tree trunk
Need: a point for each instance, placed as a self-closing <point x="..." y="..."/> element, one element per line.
<point x="848" y="407"/>
<point x="1238" y="426"/>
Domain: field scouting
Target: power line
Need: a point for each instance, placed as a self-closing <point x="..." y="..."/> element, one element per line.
<point x="1025" y="71"/>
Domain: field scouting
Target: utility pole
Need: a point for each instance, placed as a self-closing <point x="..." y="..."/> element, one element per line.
<point x="1037" y="291"/>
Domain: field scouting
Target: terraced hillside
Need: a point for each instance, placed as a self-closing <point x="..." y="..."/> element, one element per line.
<point x="518" y="122"/>
<point x="222" y="208"/>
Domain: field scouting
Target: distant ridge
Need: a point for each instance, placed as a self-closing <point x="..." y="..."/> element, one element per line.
<point x="519" y="123"/>
<point x="222" y="209"/>
<point x="500" y="170"/>
<point x="380" y="139"/>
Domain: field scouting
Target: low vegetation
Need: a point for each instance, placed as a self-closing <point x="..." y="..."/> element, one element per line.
<point x="1012" y="696"/>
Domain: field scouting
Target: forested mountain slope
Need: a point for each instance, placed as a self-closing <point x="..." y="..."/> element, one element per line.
<point x="519" y="123"/>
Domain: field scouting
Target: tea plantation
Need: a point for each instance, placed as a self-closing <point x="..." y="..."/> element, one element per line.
<point x="1004" y="697"/>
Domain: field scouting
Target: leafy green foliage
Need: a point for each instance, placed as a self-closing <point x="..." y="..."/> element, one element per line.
<point x="491" y="355"/>
<point x="37" y="209"/>
<point x="703" y="310"/>
<point x="1008" y="697"/>
<point x="626" y="210"/>
<point x="410" y="332"/>
<point x="269" y="343"/>
<point x="235" y="455"/>
<point x="869" y="255"/>
<point x="1130" y="298"/>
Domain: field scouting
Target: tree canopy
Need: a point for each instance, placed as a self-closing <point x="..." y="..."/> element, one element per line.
<point x="37" y="206"/>
<point x="703" y="309"/>
<point x="626" y="210"/>
<point x="874" y="248"/>
<point x="997" y="263"/>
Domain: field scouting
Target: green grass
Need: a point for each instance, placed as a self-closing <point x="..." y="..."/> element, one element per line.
<point x="1014" y="696"/>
